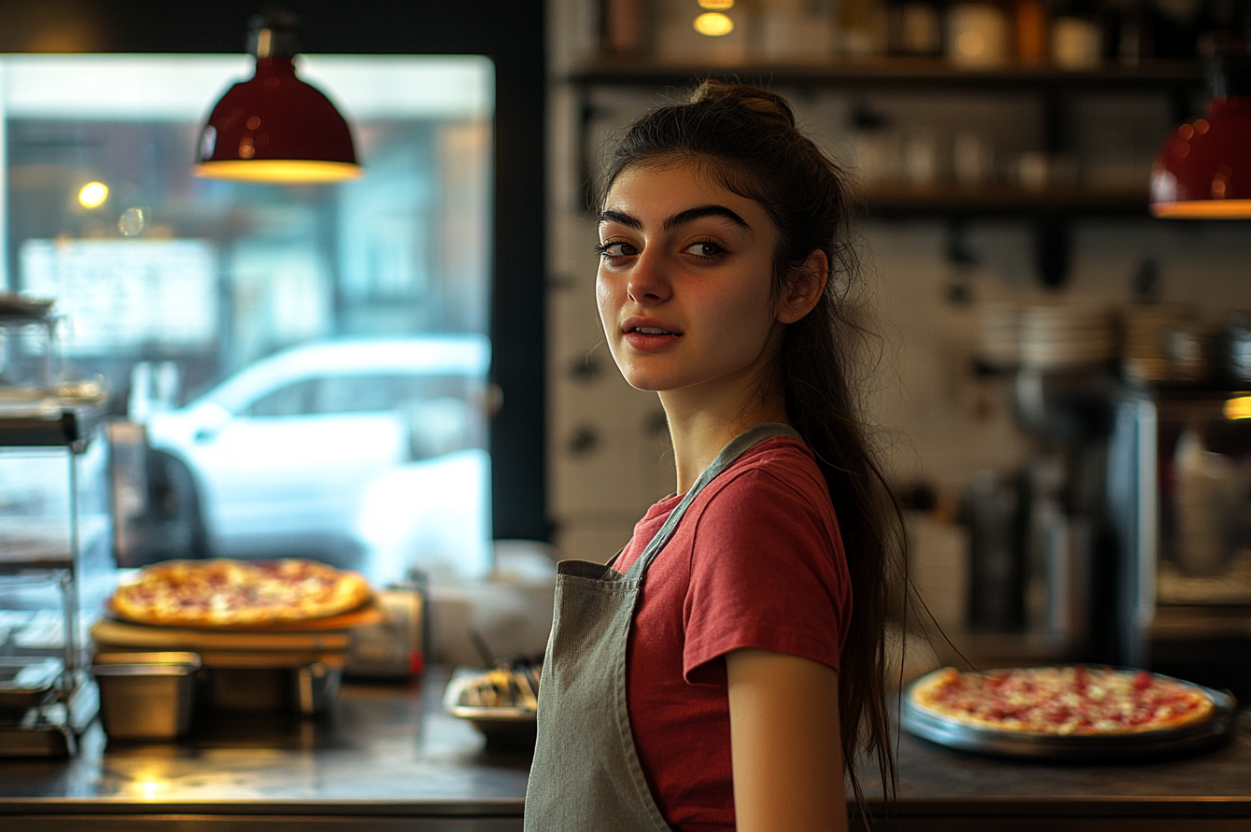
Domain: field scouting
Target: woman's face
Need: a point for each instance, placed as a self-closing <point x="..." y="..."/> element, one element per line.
<point x="684" y="282"/>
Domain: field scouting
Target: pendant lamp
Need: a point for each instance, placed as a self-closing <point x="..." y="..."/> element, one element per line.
<point x="274" y="127"/>
<point x="1204" y="169"/>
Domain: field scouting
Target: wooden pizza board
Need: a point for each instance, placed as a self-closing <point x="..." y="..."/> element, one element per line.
<point x="226" y="649"/>
<point x="111" y="634"/>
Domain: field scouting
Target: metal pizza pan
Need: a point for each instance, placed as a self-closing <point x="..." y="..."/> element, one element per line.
<point x="1143" y="746"/>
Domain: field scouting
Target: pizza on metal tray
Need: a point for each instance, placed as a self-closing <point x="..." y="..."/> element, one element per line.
<point x="1077" y="700"/>
<point x="231" y="593"/>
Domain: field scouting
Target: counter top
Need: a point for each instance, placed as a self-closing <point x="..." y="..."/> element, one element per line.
<point x="939" y="782"/>
<point x="389" y="751"/>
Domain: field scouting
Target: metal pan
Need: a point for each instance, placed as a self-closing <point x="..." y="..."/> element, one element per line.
<point x="513" y="727"/>
<point x="1148" y="745"/>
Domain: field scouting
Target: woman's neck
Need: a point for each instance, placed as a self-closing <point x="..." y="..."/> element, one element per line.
<point x="700" y="426"/>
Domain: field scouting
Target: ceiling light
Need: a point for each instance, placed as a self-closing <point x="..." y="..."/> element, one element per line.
<point x="274" y="127"/>
<point x="1204" y="169"/>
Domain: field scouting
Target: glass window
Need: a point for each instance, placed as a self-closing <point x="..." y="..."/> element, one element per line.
<point x="174" y="288"/>
<point x="292" y="400"/>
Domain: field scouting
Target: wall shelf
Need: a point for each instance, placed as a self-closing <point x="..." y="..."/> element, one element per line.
<point x="947" y="202"/>
<point x="892" y="72"/>
<point x="1050" y="210"/>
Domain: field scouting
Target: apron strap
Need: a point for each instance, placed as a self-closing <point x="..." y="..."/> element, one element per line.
<point x="738" y="446"/>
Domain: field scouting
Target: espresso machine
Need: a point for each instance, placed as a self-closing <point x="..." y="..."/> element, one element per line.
<point x="1179" y="495"/>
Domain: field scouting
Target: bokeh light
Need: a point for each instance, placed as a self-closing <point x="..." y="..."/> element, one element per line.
<point x="93" y="194"/>
<point x="714" y="24"/>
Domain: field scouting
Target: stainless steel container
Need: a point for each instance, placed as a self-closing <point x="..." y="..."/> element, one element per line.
<point x="146" y="695"/>
<point x="309" y="689"/>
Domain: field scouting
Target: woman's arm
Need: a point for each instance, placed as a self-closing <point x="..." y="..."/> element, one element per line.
<point x="784" y="740"/>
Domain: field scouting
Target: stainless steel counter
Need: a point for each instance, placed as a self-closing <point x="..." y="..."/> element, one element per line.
<point x="940" y="789"/>
<point x="390" y="760"/>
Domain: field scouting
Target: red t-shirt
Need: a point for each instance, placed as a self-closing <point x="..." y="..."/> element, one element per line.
<point x="756" y="562"/>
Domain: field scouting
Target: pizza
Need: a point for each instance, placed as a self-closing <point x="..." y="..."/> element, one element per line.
<point x="231" y="593"/>
<point x="1064" y="701"/>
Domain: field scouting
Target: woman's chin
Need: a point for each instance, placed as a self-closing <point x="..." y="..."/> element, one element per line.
<point x="648" y="385"/>
<point x="650" y="381"/>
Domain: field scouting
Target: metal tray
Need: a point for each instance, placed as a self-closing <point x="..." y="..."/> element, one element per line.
<point x="511" y="727"/>
<point x="1140" y="747"/>
<point x="27" y="682"/>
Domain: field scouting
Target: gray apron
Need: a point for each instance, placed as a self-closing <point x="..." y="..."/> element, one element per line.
<point x="586" y="773"/>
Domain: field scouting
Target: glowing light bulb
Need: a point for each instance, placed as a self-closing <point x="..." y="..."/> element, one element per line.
<point x="93" y="194"/>
<point x="716" y="5"/>
<point x="714" y="24"/>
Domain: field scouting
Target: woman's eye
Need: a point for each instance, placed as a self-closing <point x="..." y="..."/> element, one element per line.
<point x="618" y="249"/>
<point x="705" y="249"/>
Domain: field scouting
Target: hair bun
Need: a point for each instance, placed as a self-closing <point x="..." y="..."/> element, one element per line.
<point x="766" y="103"/>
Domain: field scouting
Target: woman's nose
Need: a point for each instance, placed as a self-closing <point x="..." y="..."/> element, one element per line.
<point x="648" y="281"/>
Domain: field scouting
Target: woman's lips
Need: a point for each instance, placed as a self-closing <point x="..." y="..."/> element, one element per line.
<point x="649" y="336"/>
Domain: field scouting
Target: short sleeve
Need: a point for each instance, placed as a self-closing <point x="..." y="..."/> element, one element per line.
<point x="767" y="571"/>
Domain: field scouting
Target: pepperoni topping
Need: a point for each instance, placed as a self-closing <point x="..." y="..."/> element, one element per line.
<point x="1072" y="700"/>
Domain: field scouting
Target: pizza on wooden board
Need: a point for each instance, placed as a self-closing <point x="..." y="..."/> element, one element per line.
<point x="1062" y="701"/>
<point x="231" y="593"/>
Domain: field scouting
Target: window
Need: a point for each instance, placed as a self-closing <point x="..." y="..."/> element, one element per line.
<point x="290" y="400"/>
<point x="172" y="287"/>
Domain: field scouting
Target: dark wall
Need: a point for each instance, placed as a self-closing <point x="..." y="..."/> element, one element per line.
<point x="511" y="33"/>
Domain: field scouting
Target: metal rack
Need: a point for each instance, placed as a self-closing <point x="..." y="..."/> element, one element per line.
<point x="46" y="695"/>
<point x="46" y="428"/>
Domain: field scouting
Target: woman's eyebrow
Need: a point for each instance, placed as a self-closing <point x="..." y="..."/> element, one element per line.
<point x="680" y="218"/>
<point x="692" y="214"/>
<point x="620" y="218"/>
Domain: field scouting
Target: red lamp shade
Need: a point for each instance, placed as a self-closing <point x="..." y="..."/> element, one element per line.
<point x="276" y="128"/>
<point x="1204" y="169"/>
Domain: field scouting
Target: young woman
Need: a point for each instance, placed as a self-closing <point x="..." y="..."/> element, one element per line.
<point x="717" y="674"/>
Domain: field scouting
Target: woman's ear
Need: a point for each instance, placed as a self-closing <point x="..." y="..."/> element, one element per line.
<point x="804" y="288"/>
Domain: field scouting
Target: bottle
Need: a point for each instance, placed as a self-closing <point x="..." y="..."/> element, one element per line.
<point x="977" y="34"/>
<point x="1134" y="33"/>
<point x="914" y="28"/>
<point x="862" y="28"/>
<point x="623" y="27"/>
<point x="1077" y="36"/>
<point x="1031" y="31"/>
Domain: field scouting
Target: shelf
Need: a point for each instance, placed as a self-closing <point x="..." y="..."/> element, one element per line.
<point x="1176" y="78"/>
<point x="892" y="72"/>
<point x="36" y="432"/>
<point x="893" y="202"/>
<point x="50" y="422"/>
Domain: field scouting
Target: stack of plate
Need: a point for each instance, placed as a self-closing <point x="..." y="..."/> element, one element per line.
<point x="1146" y="349"/>
<point x="1064" y="335"/>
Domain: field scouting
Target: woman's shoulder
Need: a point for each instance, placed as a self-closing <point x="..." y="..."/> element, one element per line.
<point x="776" y="478"/>
<point x="782" y="460"/>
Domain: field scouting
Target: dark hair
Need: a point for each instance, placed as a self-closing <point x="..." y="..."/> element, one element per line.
<point x="747" y="139"/>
